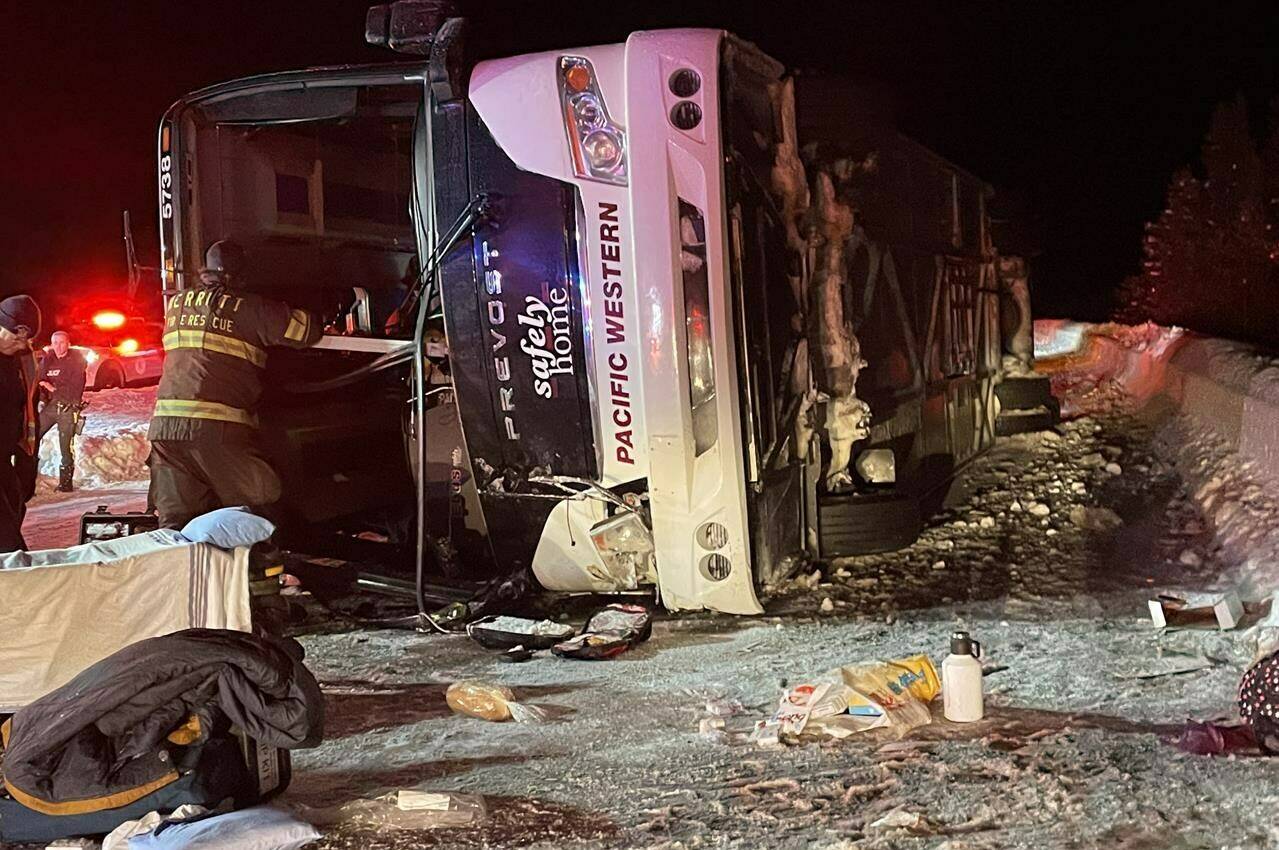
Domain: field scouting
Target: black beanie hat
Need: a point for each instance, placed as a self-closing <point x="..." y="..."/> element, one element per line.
<point x="19" y="314"/>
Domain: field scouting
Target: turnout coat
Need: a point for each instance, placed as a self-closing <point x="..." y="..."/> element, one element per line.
<point x="114" y="733"/>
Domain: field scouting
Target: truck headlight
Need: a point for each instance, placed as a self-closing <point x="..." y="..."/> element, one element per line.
<point x="597" y="143"/>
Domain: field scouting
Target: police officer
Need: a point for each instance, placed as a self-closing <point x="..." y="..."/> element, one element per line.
<point x="62" y="376"/>
<point x="19" y="322"/>
<point x="204" y="447"/>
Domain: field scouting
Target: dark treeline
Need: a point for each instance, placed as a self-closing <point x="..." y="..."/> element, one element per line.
<point x="1211" y="259"/>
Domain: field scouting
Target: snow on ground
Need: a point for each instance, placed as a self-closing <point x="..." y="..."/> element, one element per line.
<point x="53" y="518"/>
<point x="113" y="448"/>
<point x="1047" y="554"/>
<point x="111" y="468"/>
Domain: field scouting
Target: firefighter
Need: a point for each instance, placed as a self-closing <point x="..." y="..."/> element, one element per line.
<point x="62" y="375"/>
<point x="204" y="447"/>
<point x="19" y="322"/>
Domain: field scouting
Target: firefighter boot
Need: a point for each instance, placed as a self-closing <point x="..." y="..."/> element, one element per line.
<point x="269" y="610"/>
<point x="65" y="474"/>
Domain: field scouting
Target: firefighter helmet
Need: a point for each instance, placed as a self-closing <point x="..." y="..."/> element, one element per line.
<point x="224" y="258"/>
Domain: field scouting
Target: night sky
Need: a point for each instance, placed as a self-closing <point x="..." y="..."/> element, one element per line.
<point x="1077" y="117"/>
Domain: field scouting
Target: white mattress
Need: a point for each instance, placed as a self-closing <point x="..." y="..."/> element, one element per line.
<point x="62" y="610"/>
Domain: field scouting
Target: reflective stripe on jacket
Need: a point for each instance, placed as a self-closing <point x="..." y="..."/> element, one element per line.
<point x="215" y="345"/>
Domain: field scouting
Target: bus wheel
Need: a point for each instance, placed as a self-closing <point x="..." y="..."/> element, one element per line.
<point x="1041" y="418"/>
<point x="1024" y="393"/>
<point x="866" y="524"/>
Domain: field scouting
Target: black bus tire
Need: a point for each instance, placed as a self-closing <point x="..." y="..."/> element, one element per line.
<point x="865" y="525"/>
<point x="1025" y="422"/>
<point x="1024" y="393"/>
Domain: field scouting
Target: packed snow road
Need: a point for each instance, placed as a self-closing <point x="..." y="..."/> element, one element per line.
<point x="1076" y="751"/>
<point x="111" y="470"/>
<point x="1047" y="555"/>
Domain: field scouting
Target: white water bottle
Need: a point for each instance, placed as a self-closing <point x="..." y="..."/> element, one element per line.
<point x="961" y="685"/>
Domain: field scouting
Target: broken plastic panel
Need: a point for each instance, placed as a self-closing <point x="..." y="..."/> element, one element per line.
<point x="625" y="545"/>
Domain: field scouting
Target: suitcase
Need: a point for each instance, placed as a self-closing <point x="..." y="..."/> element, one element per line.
<point x="101" y="524"/>
<point x="208" y="774"/>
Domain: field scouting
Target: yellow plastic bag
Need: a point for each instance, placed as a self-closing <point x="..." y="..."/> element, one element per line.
<point x="883" y="693"/>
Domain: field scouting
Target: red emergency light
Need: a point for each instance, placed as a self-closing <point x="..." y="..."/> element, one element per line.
<point x="127" y="346"/>
<point x="108" y="319"/>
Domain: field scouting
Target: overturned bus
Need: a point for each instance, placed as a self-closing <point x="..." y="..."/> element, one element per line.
<point x="652" y="315"/>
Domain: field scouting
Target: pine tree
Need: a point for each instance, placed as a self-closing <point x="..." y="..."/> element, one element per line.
<point x="1270" y="191"/>
<point x="1209" y="259"/>
<point x="1172" y="251"/>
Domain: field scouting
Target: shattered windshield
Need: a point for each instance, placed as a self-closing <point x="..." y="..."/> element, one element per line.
<point x="316" y="184"/>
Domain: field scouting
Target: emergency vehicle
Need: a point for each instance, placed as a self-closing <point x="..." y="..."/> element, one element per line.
<point x="598" y="248"/>
<point x="120" y="350"/>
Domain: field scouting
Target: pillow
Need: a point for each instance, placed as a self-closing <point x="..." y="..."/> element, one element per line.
<point x="228" y="528"/>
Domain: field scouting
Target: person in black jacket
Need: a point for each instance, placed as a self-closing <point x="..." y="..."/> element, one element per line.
<point x="204" y="446"/>
<point x="62" y="373"/>
<point x="19" y="322"/>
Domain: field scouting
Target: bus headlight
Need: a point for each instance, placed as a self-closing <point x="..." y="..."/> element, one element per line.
<point x="588" y="110"/>
<point x="603" y="150"/>
<point x="597" y="143"/>
<point x="625" y="545"/>
<point x="877" y="466"/>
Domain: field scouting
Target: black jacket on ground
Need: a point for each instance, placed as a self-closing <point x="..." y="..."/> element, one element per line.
<point x="106" y="738"/>
<point x="215" y="341"/>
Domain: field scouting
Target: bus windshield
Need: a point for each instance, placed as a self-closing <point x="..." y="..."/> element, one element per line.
<point x="315" y="183"/>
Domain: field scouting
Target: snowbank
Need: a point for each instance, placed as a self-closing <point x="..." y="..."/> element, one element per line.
<point x="1225" y="440"/>
<point x="113" y="449"/>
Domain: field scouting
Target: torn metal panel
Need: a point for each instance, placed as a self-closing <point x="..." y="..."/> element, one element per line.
<point x="1015" y="317"/>
<point x="819" y="228"/>
<point x="789" y="182"/>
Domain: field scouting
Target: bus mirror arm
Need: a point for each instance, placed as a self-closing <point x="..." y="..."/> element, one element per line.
<point x="478" y="209"/>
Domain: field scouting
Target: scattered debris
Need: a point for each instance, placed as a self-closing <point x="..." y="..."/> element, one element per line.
<point x="724" y="707"/>
<point x="401" y="810"/>
<point x="1193" y="610"/>
<point x="510" y="632"/>
<point x="827" y="605"/>
<point x="852" y="699"/>
<point x="610" y="631"/>
<point x="1215" y="739"/>
<point x="900" y="819"/>
<point x="119" y="837"/>
<point x="490" y="702"/>
<point x="1039" y="509"/>
<point x="1095" y="519"/>
<point x="1190" y="558"/>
